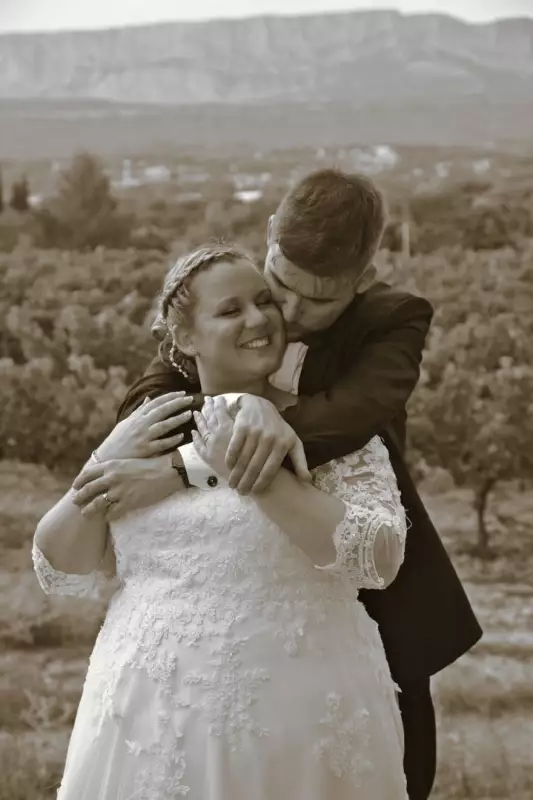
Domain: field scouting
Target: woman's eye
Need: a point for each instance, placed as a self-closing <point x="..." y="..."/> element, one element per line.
<point x="229" y="312"/>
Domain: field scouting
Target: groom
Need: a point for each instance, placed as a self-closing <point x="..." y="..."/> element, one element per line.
<point x="353" y="359"/>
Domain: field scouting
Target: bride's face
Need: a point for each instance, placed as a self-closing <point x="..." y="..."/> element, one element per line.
<point x="236" y="332"/>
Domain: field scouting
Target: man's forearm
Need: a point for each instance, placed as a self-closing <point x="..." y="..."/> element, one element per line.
<point x="360" y="406"/>
<point x="373" y="391"/>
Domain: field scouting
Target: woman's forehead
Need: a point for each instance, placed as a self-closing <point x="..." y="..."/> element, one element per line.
<point x="227" y="277"/>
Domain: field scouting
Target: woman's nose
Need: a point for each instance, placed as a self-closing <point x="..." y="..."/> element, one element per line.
<point x="254" y="317"/>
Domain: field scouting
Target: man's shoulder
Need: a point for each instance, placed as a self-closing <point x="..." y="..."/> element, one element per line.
<point x="382" y="301"/>
<point x="384" y="296"/>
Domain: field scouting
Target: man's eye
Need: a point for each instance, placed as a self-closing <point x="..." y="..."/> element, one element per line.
<point x="229" y="312"/>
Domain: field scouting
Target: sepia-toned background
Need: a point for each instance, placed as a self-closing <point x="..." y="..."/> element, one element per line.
<point x="121" y="148"/>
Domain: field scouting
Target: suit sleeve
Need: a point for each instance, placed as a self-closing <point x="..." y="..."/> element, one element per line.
<point x="373" y="389"/>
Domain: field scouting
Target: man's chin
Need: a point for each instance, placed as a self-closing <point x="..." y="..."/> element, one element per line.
<point x="294" y="335"/>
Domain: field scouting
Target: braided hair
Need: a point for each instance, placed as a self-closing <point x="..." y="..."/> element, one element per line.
<point x="176" y="299"/>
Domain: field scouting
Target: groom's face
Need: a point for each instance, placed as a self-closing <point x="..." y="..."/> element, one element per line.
<point x="308" y="303"/>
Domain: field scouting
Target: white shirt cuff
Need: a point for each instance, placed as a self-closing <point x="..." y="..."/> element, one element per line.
<point x="199" y="473"/>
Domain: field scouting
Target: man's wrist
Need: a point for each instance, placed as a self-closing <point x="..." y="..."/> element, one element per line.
<point x="177" y="464"/>
<point x="199" y="474"/>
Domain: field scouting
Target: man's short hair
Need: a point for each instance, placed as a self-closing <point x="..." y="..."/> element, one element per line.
<point x="331" y="223"/>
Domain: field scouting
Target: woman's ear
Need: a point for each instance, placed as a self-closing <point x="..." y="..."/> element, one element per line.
<point x="183" y="340"/>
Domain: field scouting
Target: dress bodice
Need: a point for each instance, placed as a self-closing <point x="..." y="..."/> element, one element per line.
<point x="223" y="631"/>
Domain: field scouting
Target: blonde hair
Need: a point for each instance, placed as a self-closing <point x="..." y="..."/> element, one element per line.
<point x="176" y="300"/>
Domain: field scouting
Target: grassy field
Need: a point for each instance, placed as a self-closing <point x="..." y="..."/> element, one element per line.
<point x="484" y="702"/>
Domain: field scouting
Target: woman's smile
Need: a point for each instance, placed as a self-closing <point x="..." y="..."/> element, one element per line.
<point x="236" y="332"/>
<point x="257" y="344"/>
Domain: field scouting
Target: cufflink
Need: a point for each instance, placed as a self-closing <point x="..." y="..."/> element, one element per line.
<point x="198" y="472"/>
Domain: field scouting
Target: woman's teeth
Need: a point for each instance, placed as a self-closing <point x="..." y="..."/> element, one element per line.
<point x="257" y="343"/>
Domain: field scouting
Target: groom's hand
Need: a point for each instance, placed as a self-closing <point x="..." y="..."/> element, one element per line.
<point x="261" y="440"/>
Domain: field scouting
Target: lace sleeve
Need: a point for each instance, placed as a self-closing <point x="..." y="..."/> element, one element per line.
<point x="370" y="540"/>
<point x="52" y="581"/>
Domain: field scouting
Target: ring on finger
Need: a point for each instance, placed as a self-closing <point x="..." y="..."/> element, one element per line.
<point x="108" y="501"/>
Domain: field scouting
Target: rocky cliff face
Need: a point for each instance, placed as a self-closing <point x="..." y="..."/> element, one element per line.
<point x="356" y="58"/>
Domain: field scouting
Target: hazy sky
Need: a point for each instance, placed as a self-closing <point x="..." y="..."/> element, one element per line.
<point x="27" y="15"/>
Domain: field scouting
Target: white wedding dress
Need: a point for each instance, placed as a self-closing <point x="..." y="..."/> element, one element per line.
<point x="229" y="667"/>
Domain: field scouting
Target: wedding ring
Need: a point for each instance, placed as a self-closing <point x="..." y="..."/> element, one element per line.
<point x="108" y="501"/>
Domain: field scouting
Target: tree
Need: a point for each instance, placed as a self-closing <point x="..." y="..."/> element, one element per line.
<point x="20" y="195"/>
<point x="83" y="214"/>
<point x="472" y="215"/>
<point x="473" y="411"/>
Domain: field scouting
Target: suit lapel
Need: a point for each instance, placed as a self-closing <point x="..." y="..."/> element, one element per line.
<point x="327" y="351"/>
<point x="313" y="375"/>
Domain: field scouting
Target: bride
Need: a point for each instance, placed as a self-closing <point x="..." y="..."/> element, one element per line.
<point x="235" y="661"/>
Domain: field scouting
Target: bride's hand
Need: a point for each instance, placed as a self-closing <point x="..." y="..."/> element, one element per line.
<point x="116" y="486"/>
<point x="145" y="432"/>
<point x="215" y="429"/>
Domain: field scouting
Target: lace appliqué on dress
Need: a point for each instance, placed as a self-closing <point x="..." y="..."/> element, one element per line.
<point x="229" y="693"/>
<point x="366" y="482"/>
<point x="53" y="581"/>
<point x="346" y="740"/>
<point x="163" y="777"/>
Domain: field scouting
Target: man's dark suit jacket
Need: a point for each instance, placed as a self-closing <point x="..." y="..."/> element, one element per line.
<point x="355" y="382"/>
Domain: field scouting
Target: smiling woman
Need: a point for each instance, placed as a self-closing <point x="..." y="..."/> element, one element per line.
<point x="235" y="659"/>
<point x="222" y="320"/>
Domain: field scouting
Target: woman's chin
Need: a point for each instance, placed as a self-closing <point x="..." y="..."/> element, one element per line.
<point x="263" y="362"/>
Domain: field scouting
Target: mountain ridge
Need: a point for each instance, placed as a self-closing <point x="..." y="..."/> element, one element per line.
<point x="377" y="56"/>
<point x="435" y="15"/>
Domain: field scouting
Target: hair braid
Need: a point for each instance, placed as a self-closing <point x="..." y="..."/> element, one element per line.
<point x="176" y="299"/>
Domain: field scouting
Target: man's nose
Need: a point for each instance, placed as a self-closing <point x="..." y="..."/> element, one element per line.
<point x="291" y="308"/>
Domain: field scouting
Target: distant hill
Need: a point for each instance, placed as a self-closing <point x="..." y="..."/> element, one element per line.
<point x="376" y="75"/>
<point x="360" y="57"/>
